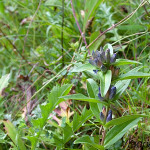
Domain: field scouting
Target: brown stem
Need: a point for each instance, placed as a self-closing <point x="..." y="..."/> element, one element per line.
<point x="82" y="34"/>
<point x="115" y="25"/>
<point x="105" y="130"/>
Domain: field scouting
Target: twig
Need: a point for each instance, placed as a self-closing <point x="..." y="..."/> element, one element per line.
<point x="115" y="25"/>
<point x="82" y="34"/>
<point x="25" y="39"/>
<point x="62" y="35"/>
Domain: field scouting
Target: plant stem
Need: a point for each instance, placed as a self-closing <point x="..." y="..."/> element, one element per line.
<point x="62" y="35"/>
<point x="105" y="130"/>
<point x="82" y="34"/>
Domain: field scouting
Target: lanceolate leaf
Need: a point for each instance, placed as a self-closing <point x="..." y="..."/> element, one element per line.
<point x="115" y="133"/>
<point x="120" y="62"/>
<point x="123" y="120"/>
<point x="81" y="97"/>
<point x="90" y="6"/>
<point x="105" y="81"/>
<point x="92" y="89"/>
<point x="88" y="140"/>
<point x="13" y="134"/>
<point x="133" y="75"/>
<point x="4" y="82"/>
<point x="83" y="67"/>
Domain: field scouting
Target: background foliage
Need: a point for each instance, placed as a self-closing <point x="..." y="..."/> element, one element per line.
<point x="43" y="59"/>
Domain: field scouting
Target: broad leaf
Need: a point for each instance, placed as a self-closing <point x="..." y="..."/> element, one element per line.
<point x="92" y="89"/>
<point x="105" y="81"/>
<point x="83" y="67"/>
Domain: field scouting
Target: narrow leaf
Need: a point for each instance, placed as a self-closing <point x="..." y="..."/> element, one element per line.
<point x="133" y="75"/>
<point x="120" y="62"/>
<point x="81" y="97"/>
<point x="123" y="120"/>
<point x="117" y="132"/>
<point x="88" y="140"/>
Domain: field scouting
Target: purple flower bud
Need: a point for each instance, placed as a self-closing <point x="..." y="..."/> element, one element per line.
<point x="108" y="56"/>
<point x="101" y="116"/>
<point x="93" y="62"/>
<point x="93" y="53"/>
<point x="113" y="58"/>
<point x="112" y="92"/>
<point x="103" y="68"/>
<point x="99" y="95"/>
<point x="102" y="57"/>
<point x="95" y="71"/>
<point x="104" y="110"/>
<point x="109" y="117"/>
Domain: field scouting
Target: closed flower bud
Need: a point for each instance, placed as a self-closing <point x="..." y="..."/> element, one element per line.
<point x="102" y="57"/>
<point x="108" y="56"/>
<point x="103" y="68"/>
<point x="99" y="95"/>
<point x="95" y="71"/>
<point x="104" y="110"/>
<point x="101" y="116"/>
<point x="93" y="62"/>
<point x="113" y="58"/>
<point x="112" y="92"/>
<point x="109" y="117"/>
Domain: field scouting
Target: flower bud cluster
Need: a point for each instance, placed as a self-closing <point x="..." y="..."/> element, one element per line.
<point x="103" y="115"/>
<point x="102" y="59"/>
<point x="110" y="94"/>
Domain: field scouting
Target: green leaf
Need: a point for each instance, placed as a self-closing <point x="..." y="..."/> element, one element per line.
<point x="105" y="81"/>
<point x="2" y="8"/>
<point x="88" y="140"/>
<point x="109" y="46"/>
<point x="90" y="7"/>
<point x="121" y="86"/>
<point x="83" y="67"/>
<point x="53" y="3"/>
<point x="123" y="120"/>
<point x="117" y="132"/>
<point x="13" y="134"/>
<point x="79" y="120"/>
<point x="92" y="89"/>
<point x="67" y="133"/>
<point x="133" y="75"/>
<point x="120" y="62"/>
<point x="95" y="45"/>
<point x="46" y="109"/>
<point x="4" y="82"/>
<point x="81" y="97"/>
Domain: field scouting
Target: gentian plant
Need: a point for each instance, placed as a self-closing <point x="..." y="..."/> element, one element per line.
<point x="105" y="85"/>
